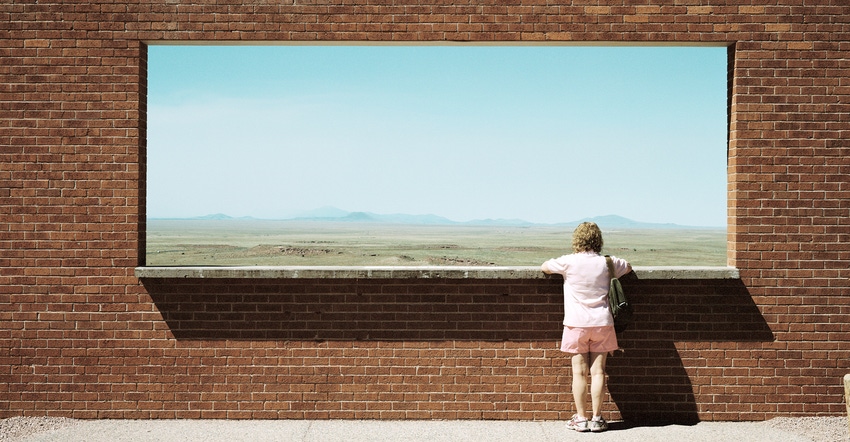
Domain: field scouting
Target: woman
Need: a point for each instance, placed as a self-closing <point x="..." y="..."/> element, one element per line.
<point x="588" y="325"/>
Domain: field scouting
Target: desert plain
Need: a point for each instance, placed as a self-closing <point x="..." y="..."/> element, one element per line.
<point x="237" y="242"/>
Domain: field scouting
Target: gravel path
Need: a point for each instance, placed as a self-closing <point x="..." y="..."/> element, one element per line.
<point x="819" y="429"/>
<point x="19" y="429"/>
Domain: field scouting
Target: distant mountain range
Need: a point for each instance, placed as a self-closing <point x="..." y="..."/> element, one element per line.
<point x="333" y="214"/>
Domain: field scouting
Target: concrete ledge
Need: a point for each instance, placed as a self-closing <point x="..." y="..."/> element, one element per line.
<point x="412" y="272"/>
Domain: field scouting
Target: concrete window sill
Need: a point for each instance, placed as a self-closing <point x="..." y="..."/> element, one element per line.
<point x="412" y="272"/>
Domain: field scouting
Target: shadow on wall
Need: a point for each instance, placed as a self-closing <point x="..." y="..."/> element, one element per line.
<point x="356" y="310"/>
<point x="648" y="382"/>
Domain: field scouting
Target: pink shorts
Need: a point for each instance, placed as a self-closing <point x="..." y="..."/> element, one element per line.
<point x="583" y="340"/>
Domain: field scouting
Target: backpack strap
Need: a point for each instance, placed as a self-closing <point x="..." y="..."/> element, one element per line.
<point x="610" y="262"/>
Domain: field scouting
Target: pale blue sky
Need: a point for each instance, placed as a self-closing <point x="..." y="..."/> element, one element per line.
<point x="541" y="133"/>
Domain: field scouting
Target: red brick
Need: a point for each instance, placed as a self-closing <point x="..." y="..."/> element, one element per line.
<point x="86" y="340"/>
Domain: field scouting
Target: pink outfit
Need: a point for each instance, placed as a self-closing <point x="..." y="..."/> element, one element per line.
<point x="586" y="287"/>
<point x="583" y="340"/>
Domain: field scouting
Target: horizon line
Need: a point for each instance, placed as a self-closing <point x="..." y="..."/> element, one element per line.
<point x="431" y="219"/>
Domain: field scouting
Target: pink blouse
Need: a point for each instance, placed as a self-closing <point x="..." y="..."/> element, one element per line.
<point x="586" y="287"/>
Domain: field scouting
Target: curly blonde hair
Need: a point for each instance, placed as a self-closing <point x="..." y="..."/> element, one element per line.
<point x="587" y="237"/>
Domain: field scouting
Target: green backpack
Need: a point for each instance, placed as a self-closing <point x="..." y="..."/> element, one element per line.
<point x="620" y="307"/>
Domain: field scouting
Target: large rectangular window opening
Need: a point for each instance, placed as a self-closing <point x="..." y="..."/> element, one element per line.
<point x="433" y="155"/>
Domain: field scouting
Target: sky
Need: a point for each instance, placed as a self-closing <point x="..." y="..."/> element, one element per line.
<point x="545" y="134"/>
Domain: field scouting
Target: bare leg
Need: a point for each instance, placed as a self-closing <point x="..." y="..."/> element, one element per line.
<point x="580" y="370"/>
<point x="597" y="380"/>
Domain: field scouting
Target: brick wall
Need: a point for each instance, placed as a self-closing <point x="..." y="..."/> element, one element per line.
<point x="83" y="337"/>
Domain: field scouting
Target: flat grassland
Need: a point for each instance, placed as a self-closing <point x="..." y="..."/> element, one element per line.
<point x="301" y="243"/>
